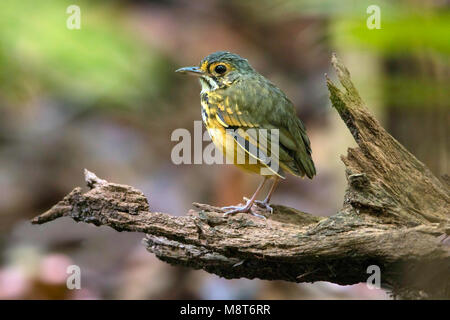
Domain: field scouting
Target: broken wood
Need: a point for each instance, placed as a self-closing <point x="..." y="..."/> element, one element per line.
<point x="395" y="216"/>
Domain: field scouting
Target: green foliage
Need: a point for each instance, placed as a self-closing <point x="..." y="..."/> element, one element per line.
<point x="414" y="92"/>
<point x="399" y="34"/>
<point x="405" y="25"/>
<point x="40" y="55"/>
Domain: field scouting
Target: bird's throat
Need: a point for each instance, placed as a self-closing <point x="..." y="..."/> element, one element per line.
<point x="208" y="84"/>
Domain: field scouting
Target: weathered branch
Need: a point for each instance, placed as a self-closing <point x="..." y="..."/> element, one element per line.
<point x="395" y="215"/>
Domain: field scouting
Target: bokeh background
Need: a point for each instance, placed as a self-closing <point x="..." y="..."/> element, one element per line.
<point x="105" y="97"/>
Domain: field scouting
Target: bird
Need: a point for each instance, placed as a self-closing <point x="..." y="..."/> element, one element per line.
<point x="239" y="107"/>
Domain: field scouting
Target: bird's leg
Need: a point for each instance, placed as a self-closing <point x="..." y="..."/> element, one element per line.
<point x="249" y="204"/>
<point x="265" y="202"/>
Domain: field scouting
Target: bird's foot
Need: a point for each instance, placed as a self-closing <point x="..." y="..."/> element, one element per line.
<point x="264" y="204"/>
<point x="241" y="209"/>
<point x="237" y="209"/>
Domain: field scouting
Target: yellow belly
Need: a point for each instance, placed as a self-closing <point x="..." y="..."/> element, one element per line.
<point x="233" y="152"/>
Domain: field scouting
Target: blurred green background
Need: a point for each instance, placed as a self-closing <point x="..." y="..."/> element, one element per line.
<point x="105" y="97"/>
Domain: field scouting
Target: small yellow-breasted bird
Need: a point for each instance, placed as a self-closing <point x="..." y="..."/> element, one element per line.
<point x="235" y="98"/>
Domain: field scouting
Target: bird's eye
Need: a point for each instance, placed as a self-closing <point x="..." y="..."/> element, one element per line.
<point x="220" y="69"/>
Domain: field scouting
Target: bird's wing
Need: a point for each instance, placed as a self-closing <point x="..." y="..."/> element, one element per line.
<point x="260" y="105"/>
<point x="230" y="112"/>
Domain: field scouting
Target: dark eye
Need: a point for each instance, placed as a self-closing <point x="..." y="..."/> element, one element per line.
<point x="220" y="69"/>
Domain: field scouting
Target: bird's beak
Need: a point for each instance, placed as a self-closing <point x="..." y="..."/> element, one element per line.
<point x="196" y="71"/>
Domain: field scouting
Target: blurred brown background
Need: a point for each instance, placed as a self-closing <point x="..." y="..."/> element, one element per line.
<point x="105" y="97"/>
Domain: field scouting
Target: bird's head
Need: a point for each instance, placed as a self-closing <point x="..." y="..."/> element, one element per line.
<point x="219" y="70"/>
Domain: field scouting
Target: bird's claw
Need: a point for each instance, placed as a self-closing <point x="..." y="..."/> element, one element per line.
<point x="241" y="209"/>
<point x="264" y="205"/>
<point x="258" y="215"/>
<point x="235" y="209"/>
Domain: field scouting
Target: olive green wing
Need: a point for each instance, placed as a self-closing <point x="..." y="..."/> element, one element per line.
<point x="230" y="112"/>
<point x="293" y="137"/>
<point x="259" y="104"/>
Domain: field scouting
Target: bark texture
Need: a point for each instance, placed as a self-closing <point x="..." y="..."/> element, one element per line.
<point x="395" y="216"/>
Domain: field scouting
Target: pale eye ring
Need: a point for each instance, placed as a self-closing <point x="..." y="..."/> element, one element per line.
<point x="220" y="69"/>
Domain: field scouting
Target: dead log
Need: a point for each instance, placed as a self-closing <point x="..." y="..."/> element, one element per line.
<point x="395" y="216"/>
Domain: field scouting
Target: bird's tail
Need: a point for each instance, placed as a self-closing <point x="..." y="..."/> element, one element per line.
<point x="302" y="155"/>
